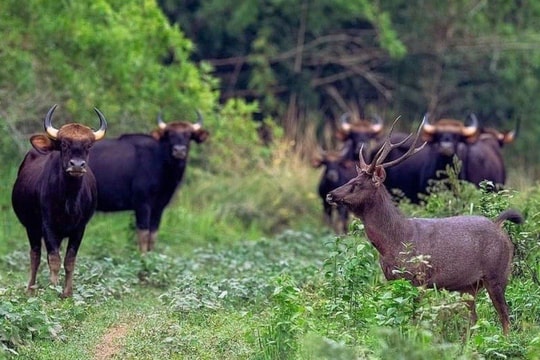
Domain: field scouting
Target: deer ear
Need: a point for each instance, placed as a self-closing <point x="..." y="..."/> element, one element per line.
<point x="379" y="175"/>
<point x="473" y="138"/>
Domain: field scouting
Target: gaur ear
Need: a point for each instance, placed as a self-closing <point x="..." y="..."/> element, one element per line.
<point x="349" y="164"/>
<point x="200" y="135"/>
<point x="316" y="161"/>
<point x="472" y="139"/>
<point x="426" y="137"/>
<point x="157" y="134"/>
<point x="42" y="143"/>
<point x="508" y="137"/>
<point x="379" y="175"/>
<point x="341" y="135"/>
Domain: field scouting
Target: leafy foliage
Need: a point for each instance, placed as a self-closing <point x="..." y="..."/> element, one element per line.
<point x="289" y="295"/>
<point x="103" y="54"/>
<point x="321" y="53"/>
<point x="279" y="339"/>
<point x="307" y="62"/>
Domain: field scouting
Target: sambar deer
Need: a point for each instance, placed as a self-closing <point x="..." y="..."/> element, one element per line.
<point x="465" y="253"/>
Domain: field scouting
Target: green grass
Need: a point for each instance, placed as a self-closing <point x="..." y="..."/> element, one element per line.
<point x="245" y="270"/>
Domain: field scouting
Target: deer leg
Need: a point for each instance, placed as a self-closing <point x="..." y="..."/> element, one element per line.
<point x="471" y="304"/>
<point x="496" y="294"/>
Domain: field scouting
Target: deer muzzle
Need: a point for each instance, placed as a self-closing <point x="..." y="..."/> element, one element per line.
<point x="331" y="199"/>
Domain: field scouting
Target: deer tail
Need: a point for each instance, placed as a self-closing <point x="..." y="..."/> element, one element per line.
<point x="510" y="215"/>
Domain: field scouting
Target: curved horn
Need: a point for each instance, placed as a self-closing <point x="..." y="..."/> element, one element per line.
<point x="199" y="122"/>
<point x="49" y="129"/>
<point x="161" y="124"/>
<point x="343" y="120"/>
<point x="427" y="127"/>
<point x="512" y="135"/>
<point x="199" y="117"/>
<point x="509" y="136"/>
<point x="470" y="130"/>
<point x="377" y="125"/>
<point x="100" y="133"/>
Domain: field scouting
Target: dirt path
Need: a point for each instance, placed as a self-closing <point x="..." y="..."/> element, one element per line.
<point x="110" y="343"/>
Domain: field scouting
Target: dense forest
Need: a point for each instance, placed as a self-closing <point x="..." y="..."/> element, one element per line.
<point x="307" y="62"/>
<point x="300" y="64"/>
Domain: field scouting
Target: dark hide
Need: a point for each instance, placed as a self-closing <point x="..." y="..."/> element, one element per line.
<point x="354" y="135"/>
<point x="54" y="197"/>
<point x="142" y="172"/>
<point x="483" y="160"/>
<point x="337" y="171"/>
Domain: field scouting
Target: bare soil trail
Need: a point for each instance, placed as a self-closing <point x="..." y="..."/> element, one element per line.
<point x="111" y="342"/>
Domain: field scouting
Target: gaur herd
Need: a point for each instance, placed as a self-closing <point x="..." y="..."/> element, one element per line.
<point x="479" y="150"/>
<point x="73" y="171"/>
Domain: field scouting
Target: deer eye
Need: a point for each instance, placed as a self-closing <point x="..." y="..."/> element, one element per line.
<point x="354" y="186"/>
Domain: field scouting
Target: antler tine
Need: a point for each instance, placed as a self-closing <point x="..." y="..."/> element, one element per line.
<point x="381" y="154"/>
<point x="361" y="160"/>
<point x="389" y="147"/>
<point x="412" y="149"/>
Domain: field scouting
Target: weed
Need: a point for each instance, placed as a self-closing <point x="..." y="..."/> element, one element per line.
<point x="279" y="339"/>
<point x="24" y="319"/>
<point x="349" y="270"/>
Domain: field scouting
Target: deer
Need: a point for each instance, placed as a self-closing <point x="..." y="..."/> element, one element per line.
<point x="464" y="253"/>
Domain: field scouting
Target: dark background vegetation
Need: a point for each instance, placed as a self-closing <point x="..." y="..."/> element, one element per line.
<point x="307" y="62"/>
<point x="244" y="266"/>
<point x="302" y="63"/>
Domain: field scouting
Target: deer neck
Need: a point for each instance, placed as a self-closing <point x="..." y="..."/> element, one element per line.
<point x="385" y="225"/>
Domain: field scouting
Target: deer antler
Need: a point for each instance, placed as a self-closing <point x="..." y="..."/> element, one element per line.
<point x="410" y="152"/>
<point x="362" y="162"/>
<point x="387" y="146"/>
